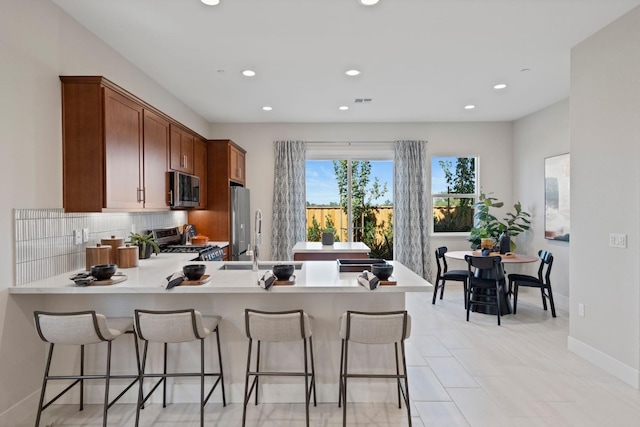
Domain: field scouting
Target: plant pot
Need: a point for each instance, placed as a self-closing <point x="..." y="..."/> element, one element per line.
<point x="487" y="243"/>
<point x="327" y="238"/>
<point x="146" y="253"/>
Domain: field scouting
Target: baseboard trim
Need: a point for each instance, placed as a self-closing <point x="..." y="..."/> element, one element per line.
<point x="613" y="366"/>
<point x="19" y="413"/>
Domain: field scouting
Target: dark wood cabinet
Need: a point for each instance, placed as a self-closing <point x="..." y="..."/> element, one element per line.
<point x="215" y="221"/>
<point x="200" y="168"/>
<point x="116" y="148"/>
<point x="156" y="148"/>
<point x="236" y="164"/>
<point x="181" y="150"/>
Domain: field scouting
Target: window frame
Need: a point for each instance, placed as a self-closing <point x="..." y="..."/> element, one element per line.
<point x="475" y="196"/>
<point x="351" y="151"/>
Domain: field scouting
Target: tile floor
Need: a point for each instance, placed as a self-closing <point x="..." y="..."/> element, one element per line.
<point x="461" y="374"/>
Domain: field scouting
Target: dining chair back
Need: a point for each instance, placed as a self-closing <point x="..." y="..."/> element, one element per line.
<point x="543" y="281"/>
<point x="443" y="274"/>
<point x="485" y="276"/>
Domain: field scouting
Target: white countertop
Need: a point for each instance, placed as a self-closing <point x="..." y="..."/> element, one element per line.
<point x="149" y="278"/>
<point x="314" y="247"/>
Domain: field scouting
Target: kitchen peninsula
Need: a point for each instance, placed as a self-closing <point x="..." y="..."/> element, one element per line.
<point x="319" y="288"/>
<point x="316" y="251"/>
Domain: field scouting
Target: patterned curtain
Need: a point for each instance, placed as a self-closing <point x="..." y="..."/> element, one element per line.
<point x="411" y="201"/>
<point x="289" y="199"/>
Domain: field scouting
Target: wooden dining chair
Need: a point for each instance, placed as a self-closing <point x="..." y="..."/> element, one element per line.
<point x="443" y="274"/>
<point x="488" y="277"/>
<point x="543" y="281"/>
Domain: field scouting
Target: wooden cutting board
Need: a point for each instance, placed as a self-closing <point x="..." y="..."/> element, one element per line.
<point x="391" y="281"/>
<point x="116" y="278"/>
<point x="291" y="281"/>
<point x="204" y="279"/>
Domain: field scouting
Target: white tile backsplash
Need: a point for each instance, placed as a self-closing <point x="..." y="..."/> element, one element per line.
<point x="44" y="237"/>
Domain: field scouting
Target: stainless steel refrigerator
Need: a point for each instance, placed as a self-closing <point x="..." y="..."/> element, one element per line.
<point x="240" y="223"/>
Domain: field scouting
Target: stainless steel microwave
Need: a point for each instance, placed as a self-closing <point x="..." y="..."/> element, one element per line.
<point x="184" y="190"/>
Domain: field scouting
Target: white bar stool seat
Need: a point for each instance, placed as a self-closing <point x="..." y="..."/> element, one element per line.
<point x="82" y="328"/>
<point x="279" y="327"/>
<point x="177" y="326"/>
<point x="371" y="328"/>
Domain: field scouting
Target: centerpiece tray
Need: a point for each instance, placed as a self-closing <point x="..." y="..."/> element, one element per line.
<point x="357" y="265"/>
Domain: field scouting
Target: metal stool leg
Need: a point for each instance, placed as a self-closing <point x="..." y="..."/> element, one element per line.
<point x="406" y="383"/>
<point x="106" y="385"/>
<point x="306" y="381"/>
<point x="340" y="375"/>
<point x="201" y="382"/>
<point x="246" y="385"/>
<point x="257" y="379"/>
<point x="344" y="387"/>
<point x="82" y="379"/>
<point x="313" y="372"/>
<point x="44" y="384"/>
<point x="140" y="391"/>
<point x="164" y="379"/>
<point x="224" y="399"/>
<point x="395" y="346"/>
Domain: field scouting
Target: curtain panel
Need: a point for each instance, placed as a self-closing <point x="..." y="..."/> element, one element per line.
<point x="411" y="202"/>
<point x="289" y="199"/>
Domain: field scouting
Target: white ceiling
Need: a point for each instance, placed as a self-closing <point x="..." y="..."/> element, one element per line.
<point x="421" y="60"/>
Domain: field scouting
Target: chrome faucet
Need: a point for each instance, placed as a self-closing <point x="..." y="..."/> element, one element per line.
<point x="257" y="238"/>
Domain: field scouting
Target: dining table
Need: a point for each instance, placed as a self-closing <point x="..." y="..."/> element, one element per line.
<point x="508" y="258"/>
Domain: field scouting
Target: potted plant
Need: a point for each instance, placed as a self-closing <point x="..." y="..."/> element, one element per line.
<point x="487" y="226"/>
<point x="328" y="236"/>
<point x="145" y="244"/>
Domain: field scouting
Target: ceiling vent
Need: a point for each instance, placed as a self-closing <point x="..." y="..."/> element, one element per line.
<point x="363" y="100"/>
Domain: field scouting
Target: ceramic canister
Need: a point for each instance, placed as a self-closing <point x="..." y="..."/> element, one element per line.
<point x="98" y="254"/>
<point x="115" y="243"/>
<point x="127" y="256"/>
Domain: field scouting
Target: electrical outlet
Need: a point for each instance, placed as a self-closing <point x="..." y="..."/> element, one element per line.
<point x="85" y="235"/>
<point x="580" y="309"/>
<point x="77" y="237"/>
<point x="617" y="240"/>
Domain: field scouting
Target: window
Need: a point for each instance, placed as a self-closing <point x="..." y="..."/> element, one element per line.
<point x="453" y="191"/>
<point x="353" y="196"/>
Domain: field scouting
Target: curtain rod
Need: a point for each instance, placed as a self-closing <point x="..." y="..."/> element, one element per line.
<point x="349" y="142"/>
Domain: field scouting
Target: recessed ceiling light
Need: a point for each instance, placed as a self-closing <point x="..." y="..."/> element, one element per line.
<point x="500" y="86"/>
<point x="267" y="108"/>
<point x="248" y="73"/>
<point x="343" y="108"/>
<point x="368" y="2"/>
<point x="469" y="107"/>
<point x="210" y="2"/>
<point x="525" y="70"/>
<point x="352" y="72"/>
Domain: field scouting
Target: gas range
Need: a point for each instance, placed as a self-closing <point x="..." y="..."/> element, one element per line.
<point x="170" y="241"/>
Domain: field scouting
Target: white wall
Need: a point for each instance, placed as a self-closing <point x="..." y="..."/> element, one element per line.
<point x="491" y="142"/>
<point x="605" y="151"/>
<point x="39" y="42"/>
<point x="535" y="137"/>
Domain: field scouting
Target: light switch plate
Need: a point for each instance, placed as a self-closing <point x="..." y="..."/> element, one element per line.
<point x="617" y="240"/>
<point x="77" y="237"/>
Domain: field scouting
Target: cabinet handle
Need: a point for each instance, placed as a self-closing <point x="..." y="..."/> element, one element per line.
<point x="139" y="195"/>
<point x="186" y="161"/>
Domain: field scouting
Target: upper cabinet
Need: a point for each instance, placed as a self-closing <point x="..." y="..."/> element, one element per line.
<point x="116" y="148"/>
<point x="236" y="163"/>
<point x="200" y="168"/>
<point x="181" y="150"/>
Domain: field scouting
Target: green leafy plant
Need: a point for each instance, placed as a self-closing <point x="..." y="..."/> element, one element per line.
<point x="142" y="240"/>
<point x="487" y="225"/>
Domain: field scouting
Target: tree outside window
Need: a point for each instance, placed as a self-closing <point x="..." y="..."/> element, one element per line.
<point x="453" y="191"/>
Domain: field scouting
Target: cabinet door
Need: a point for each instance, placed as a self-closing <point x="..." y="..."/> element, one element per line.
<point x="236" y="165"/>
<point x="156" y="147"/>
<point x="200" y="169"/>
<point x="181" y="150"/>
<point x="123" y="152"/>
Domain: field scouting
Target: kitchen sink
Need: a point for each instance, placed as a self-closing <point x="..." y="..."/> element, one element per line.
<point x="261" y="266"/>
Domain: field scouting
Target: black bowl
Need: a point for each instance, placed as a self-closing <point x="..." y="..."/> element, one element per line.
<point x="382" y="271"/>
<point x="194" y="271"/>
<point x="103" y="271"/>
<point x="283" y="271"/>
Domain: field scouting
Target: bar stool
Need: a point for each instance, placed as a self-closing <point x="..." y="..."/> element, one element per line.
<point x="274" y="327"/>
<point x="177" y="326"/>
<point x="82" y="328"/>
<point x="391" y="327"/>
